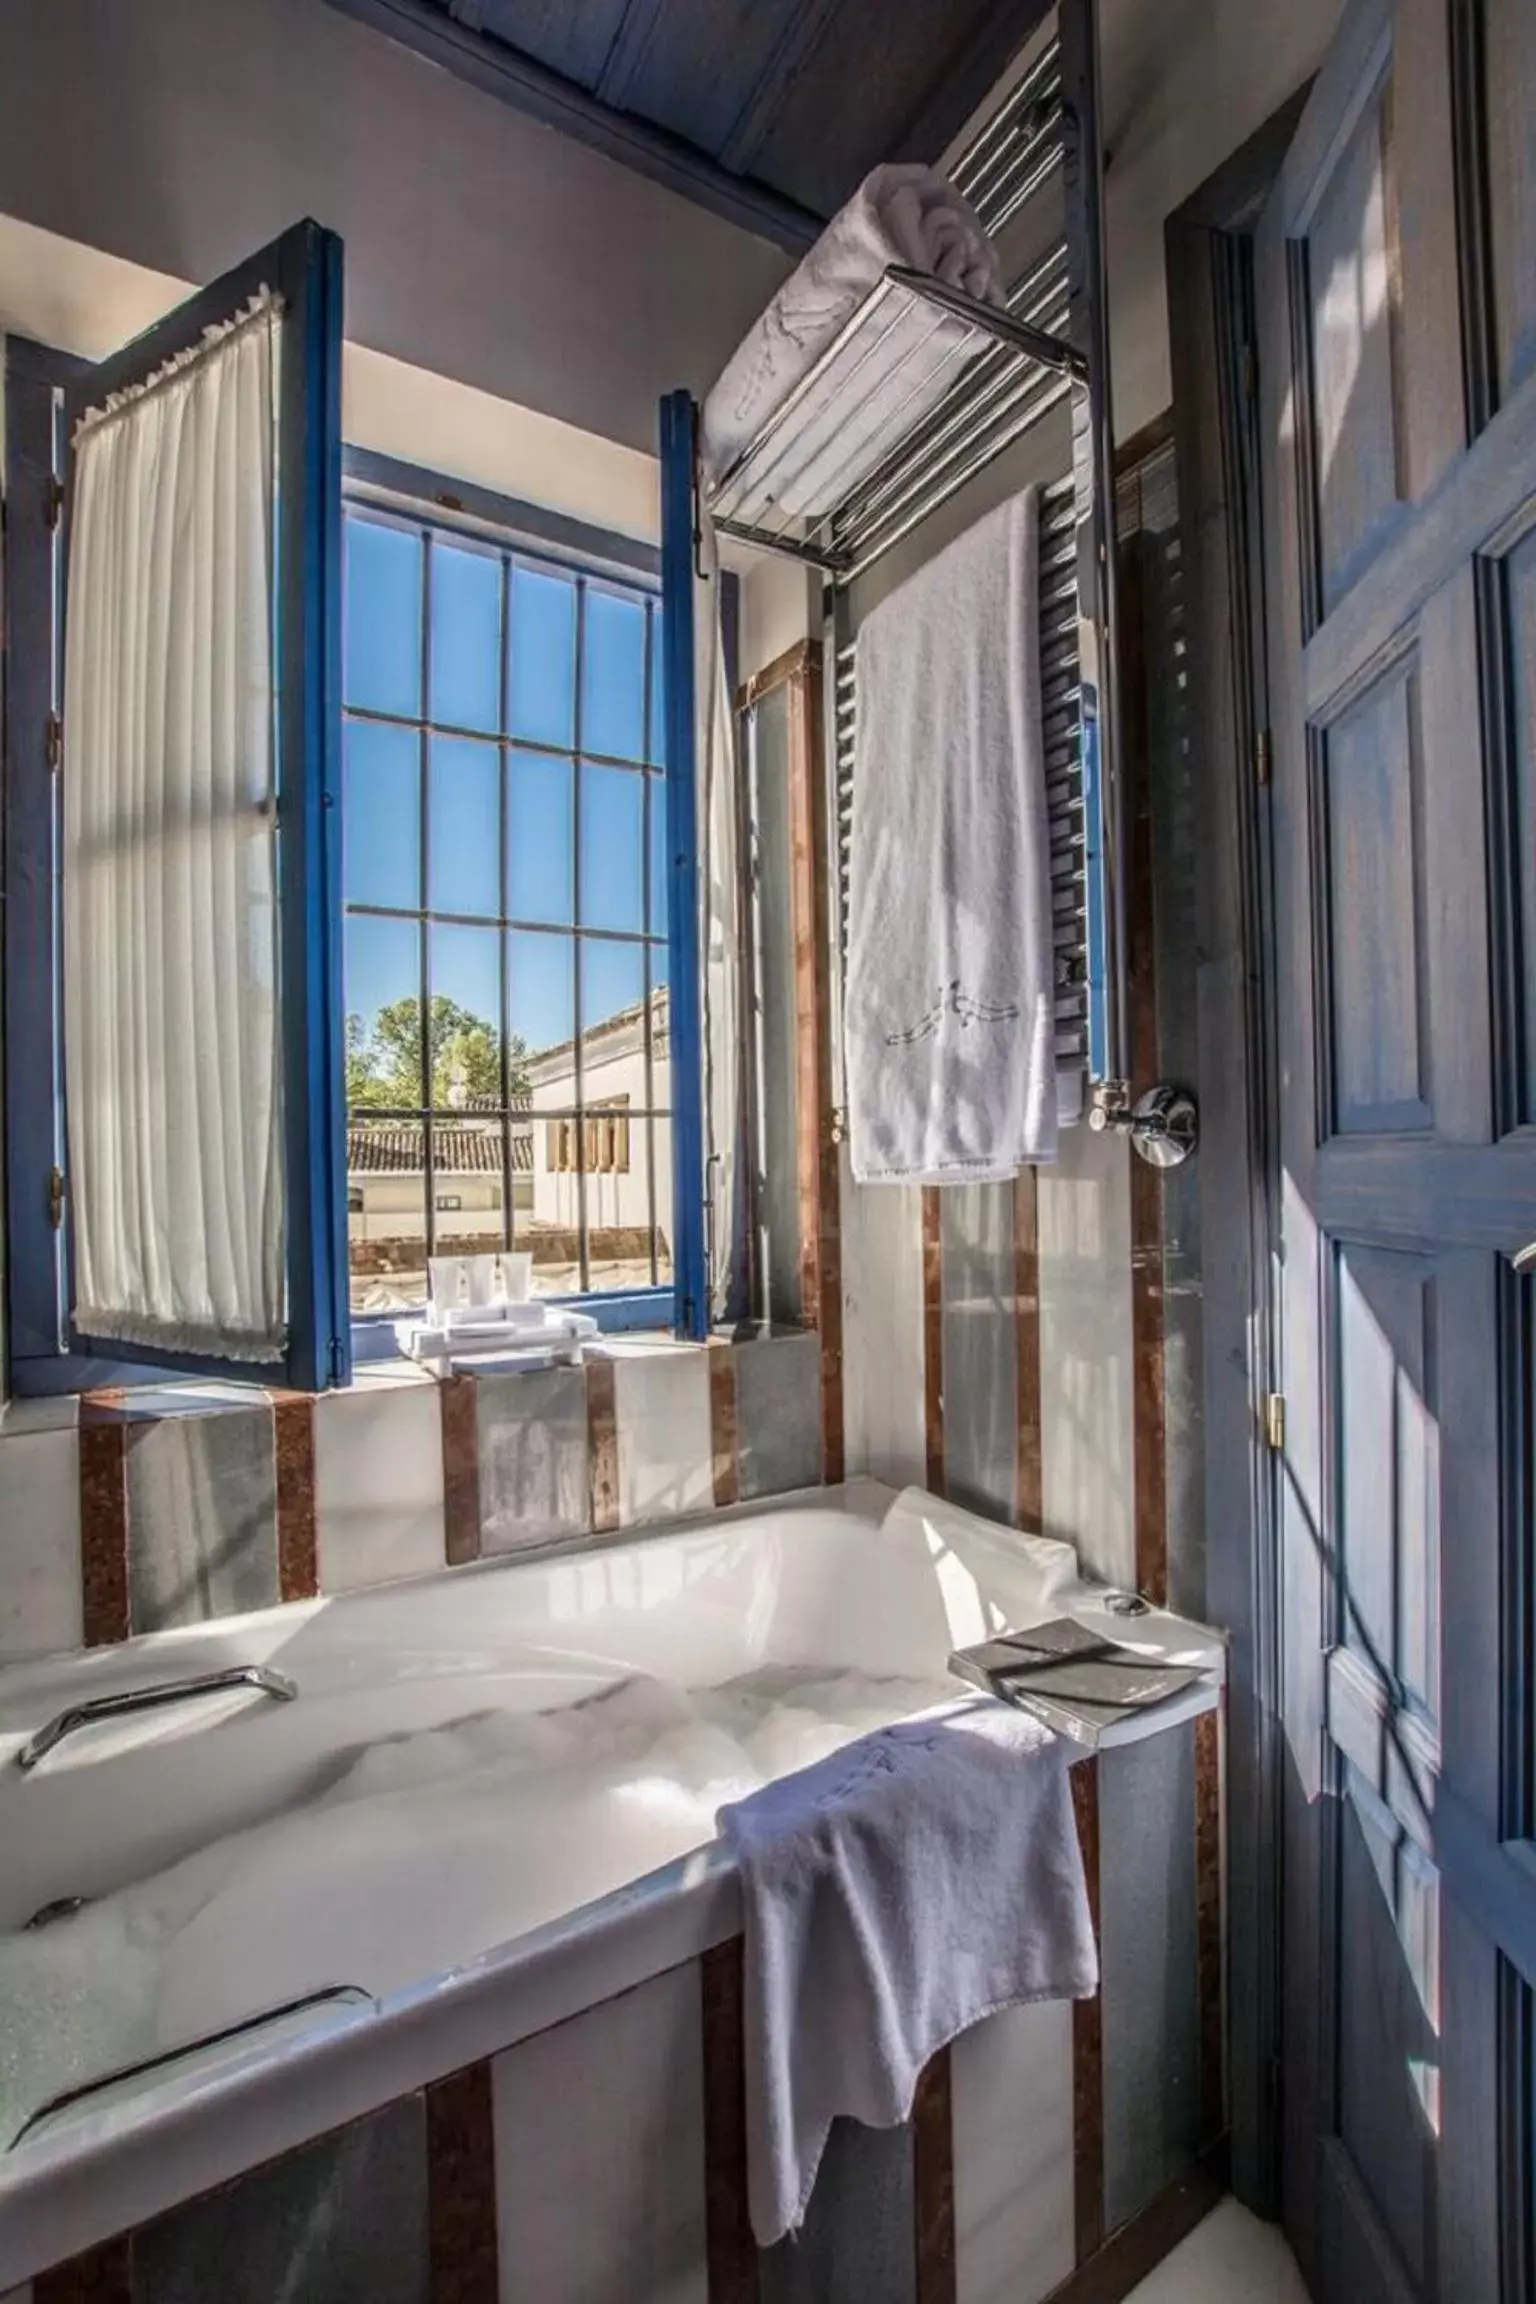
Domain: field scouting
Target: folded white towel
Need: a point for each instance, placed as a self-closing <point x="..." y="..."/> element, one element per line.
<point x="903" y="215"/>
<point x="895" y="1894"/>
<point x="949" y="1008"/>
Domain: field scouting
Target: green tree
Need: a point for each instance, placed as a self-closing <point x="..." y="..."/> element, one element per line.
<point x="384" y="1062"/>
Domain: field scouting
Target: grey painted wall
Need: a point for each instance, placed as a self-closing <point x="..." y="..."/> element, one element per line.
<point x="181" y="134"/>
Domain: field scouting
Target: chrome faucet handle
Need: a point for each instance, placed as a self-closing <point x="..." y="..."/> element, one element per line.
<point x="1524" y="1259"/>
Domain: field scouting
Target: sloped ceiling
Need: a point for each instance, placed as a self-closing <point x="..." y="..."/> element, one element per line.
<point x="770" y="110"/>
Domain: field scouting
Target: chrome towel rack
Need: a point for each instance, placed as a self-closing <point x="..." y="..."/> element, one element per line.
<point x="955" y="383"/>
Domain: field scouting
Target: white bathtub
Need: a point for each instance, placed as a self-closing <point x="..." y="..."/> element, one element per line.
<point x="530" y="1831"/>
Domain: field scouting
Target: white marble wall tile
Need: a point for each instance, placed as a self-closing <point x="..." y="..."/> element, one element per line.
<point x="1011" y="2097"/>
<point x="600" y="2153"/>
<point x="532" y="1434"/>
<point x="378" y="1484"/>
<point x="981" y="1360"/>
<point x="883" y="1329"/>
<point x="778" y="1414"/>
<point x="41" y="1605"/>
<point x="1086" y="1410"/>
<point x="666" y="1455"/>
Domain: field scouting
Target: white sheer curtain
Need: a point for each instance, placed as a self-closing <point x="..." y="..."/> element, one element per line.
<point x="720" y="933"/>
<point x="171" y="1028"/>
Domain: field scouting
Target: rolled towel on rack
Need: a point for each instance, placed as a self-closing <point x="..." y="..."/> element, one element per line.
<point x="904" y="215"/>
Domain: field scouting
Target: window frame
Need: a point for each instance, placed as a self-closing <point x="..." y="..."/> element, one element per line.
<point x="44" y="1353"/>
<point x="393" y="486"/>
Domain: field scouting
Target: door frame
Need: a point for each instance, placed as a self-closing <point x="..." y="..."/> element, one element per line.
<point x="1216" y="434"/>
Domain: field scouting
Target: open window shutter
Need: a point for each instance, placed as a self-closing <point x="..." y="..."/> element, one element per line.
<point x="201" y="835"/>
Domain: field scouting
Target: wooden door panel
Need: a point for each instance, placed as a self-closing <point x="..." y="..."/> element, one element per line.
<point x="1401" y="582"/>
<point x="1387" y="2109"/>
<point x="1510" y="588"/>
<point x="1367" y="814"/>
<point x="1510" y="109"/>
<point x="1388" y="1480"/>
<point x="1347" y="261"/>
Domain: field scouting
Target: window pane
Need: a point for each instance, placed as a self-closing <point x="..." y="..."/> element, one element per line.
<point x="466" y="637"/>
<point x="541" y="1014"/>
<point x="658" y="742"/>
<point x="660" y="855"/>
<point x="612" y="982"/>
<point x="612" y="848"/>
<point x="381" y="815"/>
<point x="466" y="1016"/>
<point x="540" y="838"/>
<point x="541" y="672"/>
<point x="618" y="1201"/>
<point x="464" y="846"/>
<point x="383" y="641"/>
<point x="613" y="676"/>
<point x="383" y="998"/>
<point x="661" y="1046"/>
<point x="386" y="1215"/>
<point x="467" y="1186"/>
<point x="547" y="1205"/>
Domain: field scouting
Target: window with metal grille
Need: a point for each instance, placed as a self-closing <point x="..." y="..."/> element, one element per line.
<point x="505" y="885"/>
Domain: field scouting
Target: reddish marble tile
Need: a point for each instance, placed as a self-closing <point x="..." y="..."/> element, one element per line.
<point x="933" y="2185"/>
<point x="104" y="1519"/>
<point x="722" y="1425"/>
<point x="461" y="2189"/>
<point x="293" y="1440"/>
<point x="1208" y="1924"/>
<point x="1088" y="2039"/>
<point x="461" y="1470"/>
<point x="933" y="1338"/>
<point x="730" y="2250"/>
<point x="602" y="1445"/>
<point x="1029" y="1475"/>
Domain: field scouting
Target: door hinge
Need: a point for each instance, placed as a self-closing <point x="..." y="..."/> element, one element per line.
<point x="55" y="742"/>
<point x="1274" y="1420"/>
<point x="56" y="1189"/>
<point x="55" y="502"/>
<point x="1263" y="757"/>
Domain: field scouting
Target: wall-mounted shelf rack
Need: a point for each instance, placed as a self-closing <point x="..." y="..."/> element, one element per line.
<point x="921" y="390"/>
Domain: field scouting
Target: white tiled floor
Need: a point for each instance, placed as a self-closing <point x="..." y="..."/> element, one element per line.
<point x="1229" y="2259"/>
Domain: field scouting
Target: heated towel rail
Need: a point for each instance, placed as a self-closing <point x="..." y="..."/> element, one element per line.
<point x="981" y="380"/>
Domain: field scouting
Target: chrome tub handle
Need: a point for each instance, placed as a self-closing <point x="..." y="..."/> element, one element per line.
<point x="258" y="1676"/>
<point x="329" y="1995"/>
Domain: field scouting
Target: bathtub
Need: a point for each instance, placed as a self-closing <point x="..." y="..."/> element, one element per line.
<point x="462" y="1810"/>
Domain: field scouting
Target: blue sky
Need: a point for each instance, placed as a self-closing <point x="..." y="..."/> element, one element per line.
<point x="526" y="691"/>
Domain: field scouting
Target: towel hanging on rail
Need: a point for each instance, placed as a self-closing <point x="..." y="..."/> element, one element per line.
<point x="949" y="1004"/>
<point x="902" y="214"/>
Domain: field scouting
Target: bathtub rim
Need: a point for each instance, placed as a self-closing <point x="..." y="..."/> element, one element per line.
<point x="115" y="2170"/>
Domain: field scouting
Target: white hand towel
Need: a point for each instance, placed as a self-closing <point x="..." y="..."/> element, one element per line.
<point x="903" y="215"/>
<point x="895" y="1894"/>
<point x="949" y="1009"/>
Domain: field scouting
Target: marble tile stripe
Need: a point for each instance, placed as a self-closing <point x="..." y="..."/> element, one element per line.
<point x="293" y="1442"/>
<point x="1148" y="1395"/>
<point x="104" y="1519"/>
<point x="724" y="1449"/>
<point x="730" y="2250"/>
<point x="933" y="2184"/>
<point x="819" y="1191"/>
<point x="461" y="1470"/>
<point x="461" y="2189"/>
<point x="933" y="1339"/>
<point x="1088" y="2040"/>
<point x="1029" y="1491"/>
<point x="602" y="1445"/>
<point x="1209" y="1934"/>
<point x="101" y="2276"/>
